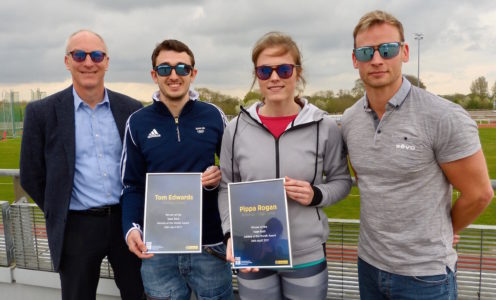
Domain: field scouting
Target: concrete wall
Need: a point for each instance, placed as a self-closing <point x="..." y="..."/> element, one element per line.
<point x="23" y="284"/>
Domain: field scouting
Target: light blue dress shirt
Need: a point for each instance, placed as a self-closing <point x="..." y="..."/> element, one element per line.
<point x="98" y="152"/>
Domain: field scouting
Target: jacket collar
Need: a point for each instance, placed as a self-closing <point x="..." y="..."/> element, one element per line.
<point x="309" y="113"/>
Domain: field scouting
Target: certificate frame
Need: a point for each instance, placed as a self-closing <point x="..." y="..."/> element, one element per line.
<point x="173" y="213"/>
<point x="260" y="232"/>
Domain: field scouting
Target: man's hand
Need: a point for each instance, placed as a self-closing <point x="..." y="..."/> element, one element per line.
<point x="211" y="177"/>
<point x="456" y="239"/>
<point x="136" y="245"/>
<point x="299" y="190"/>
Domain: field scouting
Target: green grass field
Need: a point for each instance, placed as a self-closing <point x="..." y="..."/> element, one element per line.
<point x="348" y="208"/>
<point x="9" y="159"/>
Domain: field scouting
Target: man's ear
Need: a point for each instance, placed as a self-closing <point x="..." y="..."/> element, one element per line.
<point x="355" y="64"/>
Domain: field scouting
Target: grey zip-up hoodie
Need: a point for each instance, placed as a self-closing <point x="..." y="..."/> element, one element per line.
<point x="311" y="149"/>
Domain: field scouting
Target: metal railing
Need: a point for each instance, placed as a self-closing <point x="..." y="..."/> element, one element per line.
<point x="23" y="241"/>
<point x="476" y="250"/>
<point x="476" y="267"/>
<point x="6" y="242"/>
<point x="31" y="243"/>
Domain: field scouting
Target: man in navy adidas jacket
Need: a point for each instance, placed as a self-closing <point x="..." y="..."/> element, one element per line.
<point x="176" y="133"/>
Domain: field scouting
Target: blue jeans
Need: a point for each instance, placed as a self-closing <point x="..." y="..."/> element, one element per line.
<point x="173" y="276"/>
<point x="377" y="284"/>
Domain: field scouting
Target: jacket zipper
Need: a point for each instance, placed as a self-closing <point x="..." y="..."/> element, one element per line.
<point x="277" y="156"/>
<point x="277" y="143"/>
<point x="176" y="120"/>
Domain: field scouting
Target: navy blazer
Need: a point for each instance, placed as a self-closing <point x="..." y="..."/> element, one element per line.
<point x="48" y="156"/>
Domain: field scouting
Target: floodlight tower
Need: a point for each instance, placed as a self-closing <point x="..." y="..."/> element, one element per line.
<point x="418" y="37"/>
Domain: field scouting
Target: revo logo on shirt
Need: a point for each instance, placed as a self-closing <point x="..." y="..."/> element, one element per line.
<point x="405" y="147"/>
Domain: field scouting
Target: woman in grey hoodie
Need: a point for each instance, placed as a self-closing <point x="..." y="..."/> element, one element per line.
<point x="284" y="136"/>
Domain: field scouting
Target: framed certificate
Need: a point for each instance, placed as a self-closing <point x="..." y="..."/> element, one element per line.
<point x="173" y="213"/>
<point x="259" y="224"/>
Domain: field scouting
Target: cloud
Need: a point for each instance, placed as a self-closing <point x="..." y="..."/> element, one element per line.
<point x="458" y="38"/>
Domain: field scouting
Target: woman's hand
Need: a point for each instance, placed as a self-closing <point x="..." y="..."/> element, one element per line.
<point x="230" y="258"/>
<point x="299" y="190"/>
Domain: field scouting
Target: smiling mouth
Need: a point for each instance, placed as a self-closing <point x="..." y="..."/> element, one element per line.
<point x="174" y="84"/>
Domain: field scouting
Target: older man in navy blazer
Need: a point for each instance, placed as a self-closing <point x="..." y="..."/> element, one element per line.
<point x="70" y="157"/>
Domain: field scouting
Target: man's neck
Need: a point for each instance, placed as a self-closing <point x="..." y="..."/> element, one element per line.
<point x="174" y="106"/>
<point x="379" y="97"/>
<point x="91" y="96"/>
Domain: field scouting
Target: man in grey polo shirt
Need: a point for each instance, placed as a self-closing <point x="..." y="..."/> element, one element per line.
<point x="408" y="148"/>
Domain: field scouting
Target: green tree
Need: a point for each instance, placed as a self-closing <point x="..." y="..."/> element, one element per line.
<point x="493" y="90"/>
<point x="228" y="104"/>
<point x="413" y="80"/>
<point x="327" y="94"/>
<point x="252" y="95"/>
<point x="358" y="90"/>
<point x="457" y="98"/>
<point x="479" y="87"/>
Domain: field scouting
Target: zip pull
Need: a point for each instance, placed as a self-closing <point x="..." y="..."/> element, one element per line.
<point x="176" y="120"/>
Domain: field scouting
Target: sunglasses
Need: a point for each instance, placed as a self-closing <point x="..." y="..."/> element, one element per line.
<point x="166" y="70"/>
<point x="284" y="71"/>
<point x="386" y="50"/>
<point x="80" y="56"/>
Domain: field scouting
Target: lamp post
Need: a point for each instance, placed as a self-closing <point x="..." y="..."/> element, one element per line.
<point x="418" y="37"/>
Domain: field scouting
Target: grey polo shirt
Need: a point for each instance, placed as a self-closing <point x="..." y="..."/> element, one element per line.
<point x="405" y="209"/>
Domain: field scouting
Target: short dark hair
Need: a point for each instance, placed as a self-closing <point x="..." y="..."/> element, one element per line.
<point x="172" y="45"/>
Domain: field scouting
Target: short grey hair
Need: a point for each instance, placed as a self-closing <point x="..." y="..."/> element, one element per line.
<point x="84" y="30"/>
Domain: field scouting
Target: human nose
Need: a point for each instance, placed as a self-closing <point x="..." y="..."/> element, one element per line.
<point x="274" y="75"/>
<point x="173" y="73"/>
<point x="88" y="60"/>
<point x="376" y="57"/>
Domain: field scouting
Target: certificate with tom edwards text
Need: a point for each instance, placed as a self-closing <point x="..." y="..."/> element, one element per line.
<point x="173" y="213"/>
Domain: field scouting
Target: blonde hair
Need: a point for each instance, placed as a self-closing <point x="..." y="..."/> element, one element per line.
<point x="275" y="39"/>
<point x="377" y="17"/>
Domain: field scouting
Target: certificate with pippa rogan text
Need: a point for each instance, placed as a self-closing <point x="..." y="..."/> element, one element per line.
<point x="259" y="224"/>
<point x="173" y="213"/>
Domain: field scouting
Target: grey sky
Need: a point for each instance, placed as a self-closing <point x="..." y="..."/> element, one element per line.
<point x="457" y="48"/>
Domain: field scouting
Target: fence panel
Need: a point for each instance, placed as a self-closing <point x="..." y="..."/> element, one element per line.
<point x="31" y="243"/>
<point x="6" y="241"/>
<point x="476" y="265"/>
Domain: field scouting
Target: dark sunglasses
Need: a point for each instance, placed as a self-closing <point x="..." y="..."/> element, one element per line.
<point x="284" y="71"/>
<point x="166" y="70"/>
<point x="80" y="56"/>
<point x="386" y="50"/>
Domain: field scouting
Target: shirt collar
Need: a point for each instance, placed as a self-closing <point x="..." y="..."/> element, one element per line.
<point x="398" y="98"/>
<point x="193" y="95"/>
<point x="78" y="102"/>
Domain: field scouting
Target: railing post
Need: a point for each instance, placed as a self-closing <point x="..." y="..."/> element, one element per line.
<point x="480" y="263"/>
<point x="7" y="232"/>
<point x="19" y="192"/>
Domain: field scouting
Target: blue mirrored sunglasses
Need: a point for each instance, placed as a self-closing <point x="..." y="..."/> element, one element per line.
<point x="80" y="55"/>
<point x="166" y="70"/>
<point x="386" y="50"/>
